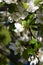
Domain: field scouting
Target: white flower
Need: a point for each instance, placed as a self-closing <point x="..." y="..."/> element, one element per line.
<point x="8" y="14"/>
<point x="1" y="1"/>
<point x="31" y="62"/>
<point x="24" y="15"/>
<point x="16" y="16"/>
<point x="25" y="37"/>
<point x="41" y="50"/>
<point x="39" y="38"/>
<point x="32" y="7"/>
<point x="21" y="50"/>
<point x="14" y="47"/>
<point x="10" y="1"/>
<point x="35" y="61"/>
<point x="41" y="58"/>
<point x="10" y="19"/>
<point x="19" y="27"/>
<point x="32" y="57"/>
<point x="41" y="54"/>
<point x="29" y="59"/>
<point x="14" y="1"/>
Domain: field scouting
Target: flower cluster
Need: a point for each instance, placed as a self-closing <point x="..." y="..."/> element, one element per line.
<point x="23" y="19"/>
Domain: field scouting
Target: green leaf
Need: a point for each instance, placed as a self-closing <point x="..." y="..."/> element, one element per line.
<point x="31" y="16"/>
<point x="34" y="33"/>
<point x="37" y="45"/>
<point x="4" y="36"/>
<point x="33" y="41"/>
<point x="25" y="23"/>
<point x="2" y="4"/>
<point x="25" y="5"/>
<point x="30" y="51"/>
<point x="36" y="2"/>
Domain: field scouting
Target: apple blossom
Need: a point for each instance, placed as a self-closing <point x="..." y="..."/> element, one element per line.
<point x="35" y="61"/>
<point x="41" y="54"/>
<point x="32" y="7"/>
<point x="10" y="1"/>
<point x="19" y="27"/>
